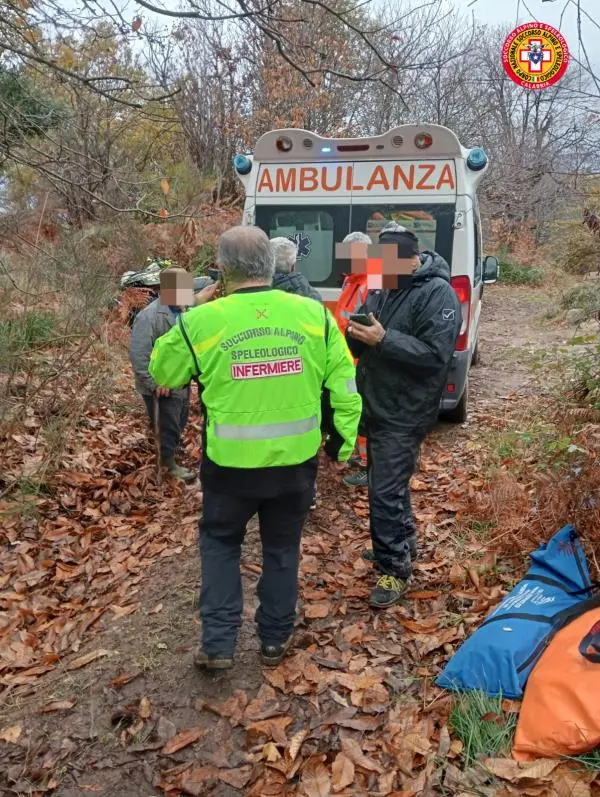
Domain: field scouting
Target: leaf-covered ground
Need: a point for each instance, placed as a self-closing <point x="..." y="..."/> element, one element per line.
<point x="99" y="582"/>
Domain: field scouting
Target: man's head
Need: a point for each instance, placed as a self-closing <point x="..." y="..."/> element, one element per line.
<point x="245" y="257"/>
<point x="398" y="265"/>
<point x="176" y="288"/>
<point x="285" y="254"/>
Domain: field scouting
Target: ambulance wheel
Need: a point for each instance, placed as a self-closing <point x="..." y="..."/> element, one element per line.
<point x="459" y="413"/>
<point x="475" y="357"/>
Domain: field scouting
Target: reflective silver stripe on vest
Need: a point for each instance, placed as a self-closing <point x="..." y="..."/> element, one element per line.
<point x="351" y="386"/>
<point x="267" y="431"/>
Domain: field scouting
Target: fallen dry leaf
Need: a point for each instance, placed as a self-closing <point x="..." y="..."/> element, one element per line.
<point x="182" y="739"/>
<point x="510" y="770"/>
<point x="474" y="576"/>
<point x="352" y="749"/>
<point x="296" y="743"/>
<point x="11" y="734"/>
<point x="315" y="778"/>
<point x="317" y="611"/>
<point x="57" y="705"/>
<point x="82" y="661"/>
<point x="236" y="778"/>
<point x="145" y="709"/>
<point x="270" y="752"/>
<point x="457" y="575"/>
<point x="121" y="680"/>
<point x="342" y="772"/>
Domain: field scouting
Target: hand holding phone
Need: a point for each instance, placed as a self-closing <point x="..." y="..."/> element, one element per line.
<point x="362" y="319"/>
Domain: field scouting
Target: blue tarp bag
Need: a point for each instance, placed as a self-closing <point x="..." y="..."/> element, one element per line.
<point x="500" y="655"/>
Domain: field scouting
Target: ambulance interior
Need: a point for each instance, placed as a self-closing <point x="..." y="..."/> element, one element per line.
<point x="316" y="230"/>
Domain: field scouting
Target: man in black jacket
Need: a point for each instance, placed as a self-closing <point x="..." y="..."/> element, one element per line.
<point x="403" y="361"/>
<point x="286" y="278"/>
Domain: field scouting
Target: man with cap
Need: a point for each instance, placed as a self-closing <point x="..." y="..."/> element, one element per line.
<point x="403" y="359"/>
<point x="178" y="292"/>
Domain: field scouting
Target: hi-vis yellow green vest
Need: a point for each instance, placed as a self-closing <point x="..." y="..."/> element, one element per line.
<point x="263" y="357"/>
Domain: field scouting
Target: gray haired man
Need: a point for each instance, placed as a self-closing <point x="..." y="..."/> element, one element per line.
<point x="286" y="278"/>
<point x="263" y="357"/>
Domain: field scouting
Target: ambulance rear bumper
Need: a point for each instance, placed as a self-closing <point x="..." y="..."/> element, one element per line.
<point x="457" y="376"/>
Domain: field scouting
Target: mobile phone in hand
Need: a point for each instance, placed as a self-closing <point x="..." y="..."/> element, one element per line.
<point x="362" y="319"/>
<point x="214" y="274"/>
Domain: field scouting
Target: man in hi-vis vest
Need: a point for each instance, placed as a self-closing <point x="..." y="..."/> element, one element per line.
<point x="263" y="358"/>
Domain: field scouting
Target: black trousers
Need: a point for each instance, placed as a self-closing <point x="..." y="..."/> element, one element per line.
<point x="392" y="459"/>
<point x="172" y="417"/>
<point x="222" y="529"/>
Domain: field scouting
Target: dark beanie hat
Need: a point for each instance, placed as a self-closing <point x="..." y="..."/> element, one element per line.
<point x="408" y="243"/>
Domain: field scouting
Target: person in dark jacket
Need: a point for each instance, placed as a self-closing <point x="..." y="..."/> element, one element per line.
<point x="286" y="278"/>
<point x="154" y="320"/>
<point x="403" y="361"/>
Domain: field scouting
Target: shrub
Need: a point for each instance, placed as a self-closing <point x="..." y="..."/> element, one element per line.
<point x="574" y="248"/>
<point x="24" y="332"/>
<point x="203" y="260"/>
<point x="513" y="273"/>
<point x="585" y="297"/>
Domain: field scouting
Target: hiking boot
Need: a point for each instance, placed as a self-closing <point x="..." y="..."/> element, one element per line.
<point x="369" y="556"/>
<point x="177" y="471"/>
<point x="387" y="592"/>
<point x="272" y="655"/>
<point x="212" y="663"/>
<point x="360" y="479"/>
<point x="356" y="462"/>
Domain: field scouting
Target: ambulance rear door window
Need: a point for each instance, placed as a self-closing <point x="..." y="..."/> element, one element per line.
<point x="315" y="231"/>
<point x="432" y="224"/>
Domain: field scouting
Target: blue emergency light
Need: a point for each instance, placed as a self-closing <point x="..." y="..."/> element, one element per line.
<point x="242" y="164"/>
<point x="477" y="159"/>
<point x="325" y="149"/>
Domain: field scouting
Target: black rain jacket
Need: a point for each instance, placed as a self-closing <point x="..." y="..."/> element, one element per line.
<point x="401" y="379"/>
<point x="293" y="282"/>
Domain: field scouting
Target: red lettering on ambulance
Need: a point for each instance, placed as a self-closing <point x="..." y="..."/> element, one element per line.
<point x="446" y="177"/>
<point x="338" y="179"/>
<point x="379" y="177"/>
<point x="400" y="175"/>
<point x="309" y="179"/>
<point x="285" y="182"/>
<point x="429" y="169"/>
<point x="265" y="183"/>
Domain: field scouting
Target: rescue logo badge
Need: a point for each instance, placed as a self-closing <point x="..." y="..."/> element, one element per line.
<point x="448" y="315"/>
<point x="535" y="55"/>
<point x="303" y="244"/>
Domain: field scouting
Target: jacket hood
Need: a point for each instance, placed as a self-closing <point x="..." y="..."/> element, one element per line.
<point x="287" y="281"/>
<point x="432" y="265"/>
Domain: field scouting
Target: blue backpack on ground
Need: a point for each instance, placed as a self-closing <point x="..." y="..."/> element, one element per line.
<point x="500" y="655"/>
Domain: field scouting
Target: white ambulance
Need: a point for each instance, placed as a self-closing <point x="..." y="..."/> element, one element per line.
<point x="316" y="190"/>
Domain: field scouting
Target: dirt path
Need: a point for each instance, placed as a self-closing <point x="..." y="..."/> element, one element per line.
<point x="358" y="680"/>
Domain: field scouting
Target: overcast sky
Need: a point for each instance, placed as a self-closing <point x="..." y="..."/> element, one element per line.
<point x="561" y="14"/>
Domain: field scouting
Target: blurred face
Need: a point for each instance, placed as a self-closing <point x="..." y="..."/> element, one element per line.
<point x="385" y="264"/>
<point x="176" y="288"/>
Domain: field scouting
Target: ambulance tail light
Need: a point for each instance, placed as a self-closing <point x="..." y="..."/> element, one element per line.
<point x="423" y="141"/>
<point x="477" y="159"/>
<point x="462" y="288"/>
<point x="242" y="164"/>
